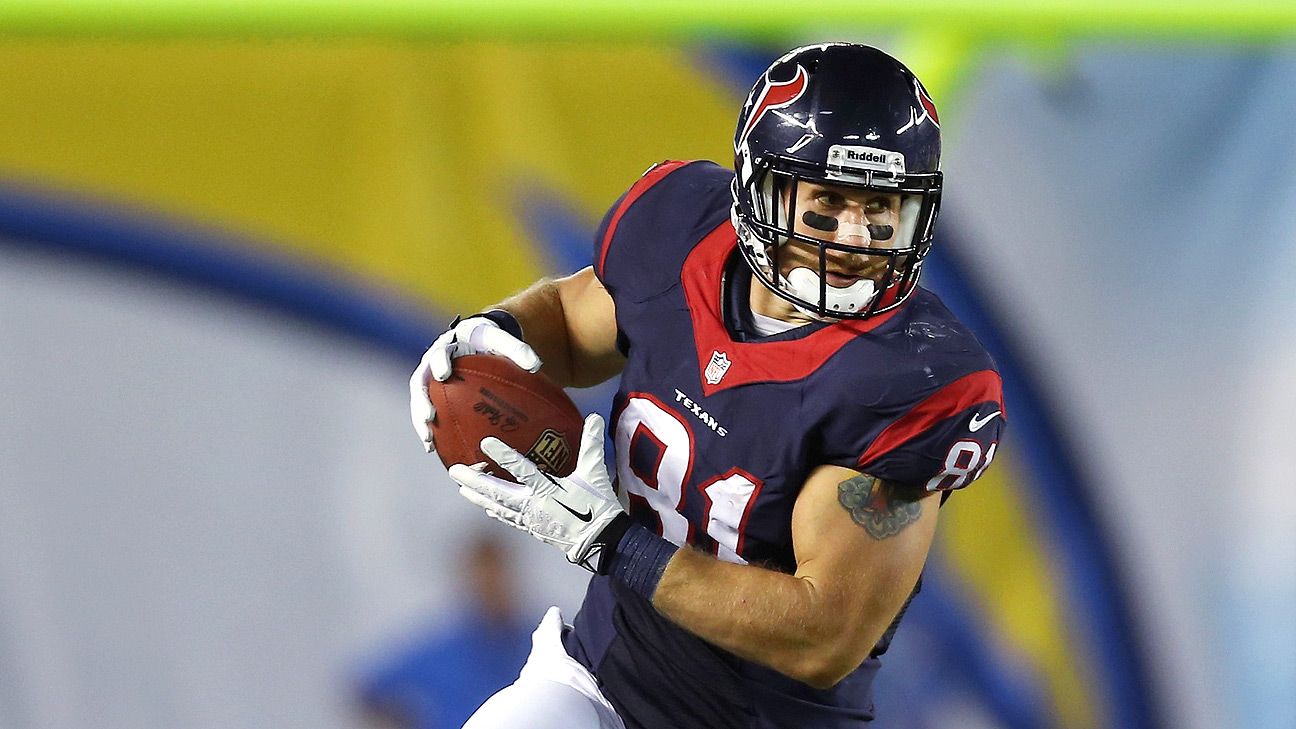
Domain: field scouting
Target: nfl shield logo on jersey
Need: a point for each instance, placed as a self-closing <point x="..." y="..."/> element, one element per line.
<point x="716" y="369"/>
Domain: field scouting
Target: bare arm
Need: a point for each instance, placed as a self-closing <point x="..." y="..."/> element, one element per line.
<point x="571" y="324"/>
<point x="860" y="547"/>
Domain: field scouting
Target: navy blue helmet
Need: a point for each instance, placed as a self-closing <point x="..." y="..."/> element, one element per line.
<point x="837" y="162"/>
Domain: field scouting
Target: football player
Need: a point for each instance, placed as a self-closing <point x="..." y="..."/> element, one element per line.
<point x="793" y="410"/>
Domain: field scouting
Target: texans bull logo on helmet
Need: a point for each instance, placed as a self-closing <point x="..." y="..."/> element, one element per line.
<point x="928" y="110"/>
<point x="929" y="106"/>
<point x="774" y="95"/>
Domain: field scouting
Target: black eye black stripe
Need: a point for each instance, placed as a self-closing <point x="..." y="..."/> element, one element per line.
<point x="819" y="222"/>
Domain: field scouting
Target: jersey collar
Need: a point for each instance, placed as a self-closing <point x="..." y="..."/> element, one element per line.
<point x="724" y="363"/>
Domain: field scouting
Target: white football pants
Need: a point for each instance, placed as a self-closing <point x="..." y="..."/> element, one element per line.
<point x="552" y="692"/>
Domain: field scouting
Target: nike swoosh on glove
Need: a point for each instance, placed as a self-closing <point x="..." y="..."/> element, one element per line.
<point x="569" y="513"/>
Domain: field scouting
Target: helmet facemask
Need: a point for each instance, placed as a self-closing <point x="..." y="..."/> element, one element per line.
<point x="885" y="259"/>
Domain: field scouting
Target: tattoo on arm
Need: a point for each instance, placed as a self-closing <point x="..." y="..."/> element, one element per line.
<point x="877" y="506"/>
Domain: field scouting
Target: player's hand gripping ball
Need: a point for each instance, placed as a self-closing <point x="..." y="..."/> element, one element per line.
<point x="478" y="334"/>
<point x="488" y="395"/>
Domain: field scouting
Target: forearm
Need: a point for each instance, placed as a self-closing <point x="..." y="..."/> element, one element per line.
<point x="539" y="311"/>
<point x="571" y="323"/>
<point x="792" y="624"/>
<point x="862" y="546"/>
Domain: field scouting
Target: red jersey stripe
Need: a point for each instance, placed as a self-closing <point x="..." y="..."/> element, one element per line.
<point x="959" y="395"/>
<point x="642" y="185"/>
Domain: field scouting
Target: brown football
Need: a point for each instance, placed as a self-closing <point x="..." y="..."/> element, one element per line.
<point x="489" y="395"/>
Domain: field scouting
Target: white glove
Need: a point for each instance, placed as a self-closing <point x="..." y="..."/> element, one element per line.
<point x="569" y="513"/>
<point x="474" y="335"/>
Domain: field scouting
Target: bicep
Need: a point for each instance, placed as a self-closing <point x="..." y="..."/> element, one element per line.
<point x="862" y="543"/>
<point x="590" y="317"/>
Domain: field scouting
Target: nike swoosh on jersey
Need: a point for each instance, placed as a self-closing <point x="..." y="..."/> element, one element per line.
<point x="978" y="422"/>
<point x="589" y="513"/>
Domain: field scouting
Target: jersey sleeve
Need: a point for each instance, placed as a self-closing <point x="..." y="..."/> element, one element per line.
<point x="944" y="442"/>
<point x="641" y="244"/>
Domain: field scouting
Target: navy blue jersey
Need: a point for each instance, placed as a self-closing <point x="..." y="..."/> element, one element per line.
<point x="716" y="430"/>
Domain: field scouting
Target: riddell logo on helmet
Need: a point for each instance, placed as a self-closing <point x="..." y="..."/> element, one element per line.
<point x="865" y="156"/>
<point x="848" y="157"/>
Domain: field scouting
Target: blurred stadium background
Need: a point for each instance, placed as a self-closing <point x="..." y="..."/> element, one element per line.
<point x="227" y="231"/>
